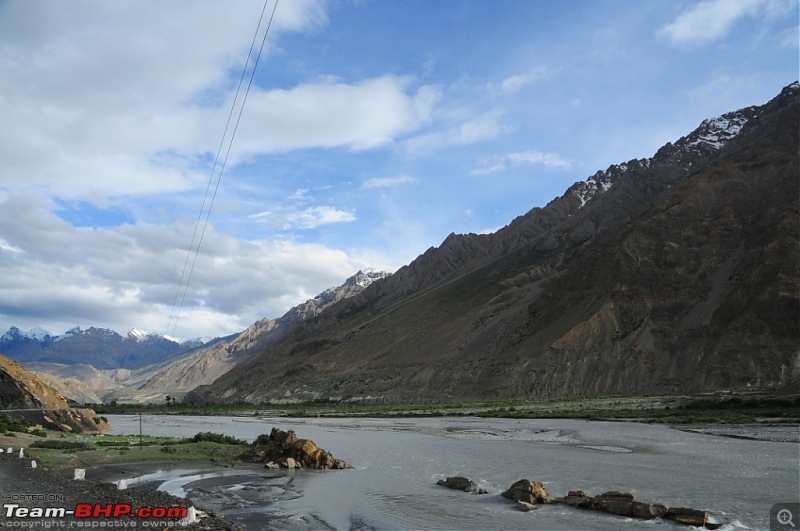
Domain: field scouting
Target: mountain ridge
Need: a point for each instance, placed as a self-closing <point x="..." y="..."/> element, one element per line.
<point x="536" y="310"/>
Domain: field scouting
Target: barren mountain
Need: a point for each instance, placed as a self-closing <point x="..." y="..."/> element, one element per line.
<point x="677" y="273"/>
<point x="23" y="396"/>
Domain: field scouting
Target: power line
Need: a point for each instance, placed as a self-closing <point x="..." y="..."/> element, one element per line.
<point x="175" y="304"/>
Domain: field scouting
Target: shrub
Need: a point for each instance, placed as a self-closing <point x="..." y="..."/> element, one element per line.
<point x="61" y="445"/>
<point x="218" y="438"/>
<point x="7" y="424"/>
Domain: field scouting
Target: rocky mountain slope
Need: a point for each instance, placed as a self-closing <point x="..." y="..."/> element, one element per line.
<point x="175" y="378"/>
<point x="23" y="396"/>
<point x="672" y="274"/>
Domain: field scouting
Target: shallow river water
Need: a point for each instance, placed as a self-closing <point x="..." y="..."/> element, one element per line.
<point x="398" y="461"/>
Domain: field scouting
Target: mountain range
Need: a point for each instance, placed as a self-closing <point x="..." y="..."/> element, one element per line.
<point x="676" y="273"/>
<point x="99" y="365"/>
<point x="672" y="274"/>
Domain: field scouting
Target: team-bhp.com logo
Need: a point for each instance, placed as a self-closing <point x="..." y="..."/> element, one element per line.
<point x="94" y="515"/>
<point x="95" y="510"/>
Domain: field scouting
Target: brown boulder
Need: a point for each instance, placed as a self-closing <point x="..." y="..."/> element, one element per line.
<point x="615" y="502"/>
<point x="577" y="498"/>
<point x="282" y="437"/>
<point x="282" y="446"/>
<point x="527" y="491"/>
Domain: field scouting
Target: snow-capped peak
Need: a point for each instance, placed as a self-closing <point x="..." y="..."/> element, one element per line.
<point x="39" y="334"/>
<point x="599" y="182"/>
<point x="36" y="334"/>
<point x="138" y="334"/>
<point x="716" y="132"/>
<point x="367" y="276"/>
<point x="12" y="334"/>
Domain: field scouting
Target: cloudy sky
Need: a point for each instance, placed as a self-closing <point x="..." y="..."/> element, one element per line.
<point x="372" y="130"/>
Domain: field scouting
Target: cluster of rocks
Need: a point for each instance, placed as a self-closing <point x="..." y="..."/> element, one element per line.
<point x="625" y="504"/>
<point x="283" y="449"/>
<point x="527" y="494"/>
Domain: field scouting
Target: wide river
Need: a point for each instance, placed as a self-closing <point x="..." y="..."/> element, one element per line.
<point x="398" y="461"/>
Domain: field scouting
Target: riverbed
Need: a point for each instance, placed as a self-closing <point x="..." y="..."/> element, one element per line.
<point x="398" y="461"/>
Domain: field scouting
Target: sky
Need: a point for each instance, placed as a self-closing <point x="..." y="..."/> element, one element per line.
<point x="372" y="129"/>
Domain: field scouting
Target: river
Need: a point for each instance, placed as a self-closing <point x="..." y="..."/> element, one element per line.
<point x="398" y="461"/>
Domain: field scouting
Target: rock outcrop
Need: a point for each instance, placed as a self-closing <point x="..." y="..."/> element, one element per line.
<point x="284" y="449"/>
<point x="527" y="491"/>
<point x="626" y="504"/>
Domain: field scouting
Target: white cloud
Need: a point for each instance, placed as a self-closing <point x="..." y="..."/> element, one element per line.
<point x="58" y="276"/>
<point x="509" y="161"/>
<point x="330" y="114"/>
<point x="309" y="218"/>
<point x="386" y="182"/>
<point x="516" y="82"/>
<point x="134" y="100"/>
<point x="712" y="19"/>
<point x="483" y="128"/>
<point x="320" y="215"/>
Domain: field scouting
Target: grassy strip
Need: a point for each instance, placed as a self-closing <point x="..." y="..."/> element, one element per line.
<point x="80" y="450"/>
<point x="661" y="409"/>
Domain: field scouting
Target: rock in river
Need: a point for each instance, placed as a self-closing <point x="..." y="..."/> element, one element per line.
<point x="458" y="483"/>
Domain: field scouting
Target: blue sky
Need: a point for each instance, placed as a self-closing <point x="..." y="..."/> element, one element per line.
<point x="372" y="131"/>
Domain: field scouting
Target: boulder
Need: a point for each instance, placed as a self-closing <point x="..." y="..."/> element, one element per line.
<point x="625" y="504"/>
<point x="280" y="446"/>
<point x="458" y="483"/>
<point x="340" y="464"/>
<point x="527" y="491"/>
<point x="646" y="511"/>
<point x="686" y="516"/>
<point x="525" y="506"/>
<point x="271" y="465"/>
<point x="282" y="437"/>
<point x="577" y="498"/>
<point x="615" y="502"/>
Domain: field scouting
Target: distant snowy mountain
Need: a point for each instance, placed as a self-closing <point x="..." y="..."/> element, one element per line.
<point x="100" y="347"/>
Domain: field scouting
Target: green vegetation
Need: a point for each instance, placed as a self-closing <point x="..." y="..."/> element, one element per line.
<point x="61" y="445"/>
<point x="9" y="427"/>
<point x="706" y="409"/>
<point x="216" y="438"/>
<point x="172" y="407"/>
<point x="75" y="450"/>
